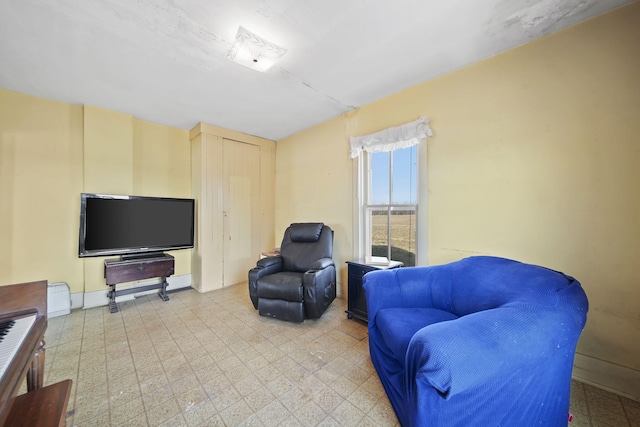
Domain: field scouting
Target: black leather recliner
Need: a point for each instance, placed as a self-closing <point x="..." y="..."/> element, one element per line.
<point x="300" y="282"/>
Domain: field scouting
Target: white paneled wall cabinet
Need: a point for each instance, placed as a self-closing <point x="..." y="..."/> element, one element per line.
<point x="233" y="179"/>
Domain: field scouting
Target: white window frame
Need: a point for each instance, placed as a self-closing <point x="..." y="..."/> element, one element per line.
<point x="368" y="207"/>
<point x="361" y="238"/>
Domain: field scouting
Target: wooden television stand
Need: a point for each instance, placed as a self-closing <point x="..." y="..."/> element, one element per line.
<point x="120" y="270"/>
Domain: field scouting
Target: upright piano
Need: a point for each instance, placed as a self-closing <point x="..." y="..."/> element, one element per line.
<point x="23" y="321"/>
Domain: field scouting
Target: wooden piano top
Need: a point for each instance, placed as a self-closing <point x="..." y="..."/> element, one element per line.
<point x="23" y="297"/>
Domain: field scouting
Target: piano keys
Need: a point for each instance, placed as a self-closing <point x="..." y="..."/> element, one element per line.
<point x="12" y="334"/>
<point x="26" y="349"/>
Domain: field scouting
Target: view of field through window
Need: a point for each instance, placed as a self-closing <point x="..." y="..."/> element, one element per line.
<point x="392" y="204"/>
<point x="403" y="232"/>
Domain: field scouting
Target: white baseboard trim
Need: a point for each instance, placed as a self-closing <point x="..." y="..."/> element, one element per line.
<point x="77" y="300"/>
<point x="95" y="299"/>
<point x="99" y="298"/>
<point x="609" y="376"/>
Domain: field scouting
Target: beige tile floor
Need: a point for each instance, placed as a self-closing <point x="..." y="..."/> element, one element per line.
<point x="210" y="359"/>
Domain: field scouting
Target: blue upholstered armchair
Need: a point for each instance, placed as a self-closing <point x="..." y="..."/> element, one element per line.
<point x="483" y="341"/>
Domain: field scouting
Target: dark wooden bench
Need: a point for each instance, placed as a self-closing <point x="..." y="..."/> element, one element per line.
<point x="42" y="407"/>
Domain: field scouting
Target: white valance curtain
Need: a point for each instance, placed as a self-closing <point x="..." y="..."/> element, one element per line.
<point x="390" y="139"/>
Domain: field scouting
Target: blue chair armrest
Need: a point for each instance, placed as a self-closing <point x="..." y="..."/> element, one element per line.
<point x="480" y="348"/>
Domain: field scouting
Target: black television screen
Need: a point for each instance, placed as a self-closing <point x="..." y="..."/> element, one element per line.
<point x="129" y="225"/>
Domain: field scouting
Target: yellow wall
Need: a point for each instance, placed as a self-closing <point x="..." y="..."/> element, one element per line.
<point x="161" y="160"/>
<point x="313" y="184"/>
<point x="108" y="151"/>
<point x="40" y="186"/>
<point x="50" y="152"/>
<point x="535" y="157"/>
<point x="162" y="168"/>
<point x="108" y="169"/>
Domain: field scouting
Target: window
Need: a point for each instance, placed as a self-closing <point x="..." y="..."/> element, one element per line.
<point x="387" y="194"/>
<point x="390" y="204"/>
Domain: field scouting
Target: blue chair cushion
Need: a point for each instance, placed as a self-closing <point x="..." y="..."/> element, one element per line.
<point x="398" y="325"/>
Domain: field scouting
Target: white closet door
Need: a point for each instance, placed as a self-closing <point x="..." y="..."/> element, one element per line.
<point x="241" y="195"/>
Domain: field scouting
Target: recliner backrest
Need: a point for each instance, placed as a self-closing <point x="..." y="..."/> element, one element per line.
<point x="305" y="243"/>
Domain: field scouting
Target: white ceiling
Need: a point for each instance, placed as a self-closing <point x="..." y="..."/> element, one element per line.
<point x="164" y="60"/>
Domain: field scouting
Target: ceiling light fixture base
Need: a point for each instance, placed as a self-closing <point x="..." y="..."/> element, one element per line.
<point x="253" y="51"/>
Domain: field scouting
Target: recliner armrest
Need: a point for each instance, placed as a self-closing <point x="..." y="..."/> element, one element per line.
<point x="319" y="287"/>
<point x="320" y="264"/>
<point x="269" y="261"/>
<point x="264" y="267"/>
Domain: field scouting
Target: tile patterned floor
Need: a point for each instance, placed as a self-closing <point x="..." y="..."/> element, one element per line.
<point x="210" y="360"/>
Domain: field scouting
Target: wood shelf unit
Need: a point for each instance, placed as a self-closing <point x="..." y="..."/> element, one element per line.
<point x="121" y="271"/>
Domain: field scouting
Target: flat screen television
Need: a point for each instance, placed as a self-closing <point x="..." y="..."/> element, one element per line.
<point x="133" y="226"/>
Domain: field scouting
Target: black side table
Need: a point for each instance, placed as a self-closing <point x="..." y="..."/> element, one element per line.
<point x="357" y="303"/>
